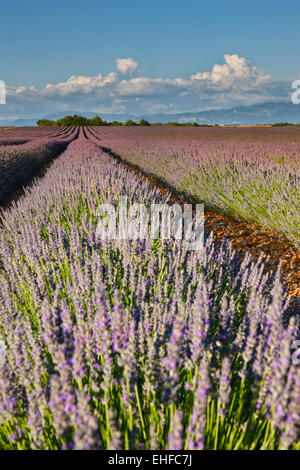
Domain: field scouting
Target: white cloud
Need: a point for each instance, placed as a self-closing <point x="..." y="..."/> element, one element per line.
<point x="127" y="66"/>
<point x="234" y="82"/>
<point x="143" y="86"/>
<point x="236" y="71"/>
<point x="80" y="84"/>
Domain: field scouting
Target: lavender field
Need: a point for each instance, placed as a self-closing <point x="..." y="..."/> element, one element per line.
<point x="143" y="344"/>
<point x="252" y="180"/>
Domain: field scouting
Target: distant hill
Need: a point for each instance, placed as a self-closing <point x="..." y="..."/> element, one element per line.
<point x="18" y="122"/>
<point x="262" y="113"/>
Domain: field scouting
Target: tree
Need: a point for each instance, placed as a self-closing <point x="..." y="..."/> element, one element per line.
<point x="96" y="121"/>
<point x="46" y="123"/>
<point x="116" y="123"/>
<point x="130" y="122"/>
<point x="143" y="122"/>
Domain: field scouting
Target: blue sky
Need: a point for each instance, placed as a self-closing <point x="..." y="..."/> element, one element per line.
<point x="45" y="43"/>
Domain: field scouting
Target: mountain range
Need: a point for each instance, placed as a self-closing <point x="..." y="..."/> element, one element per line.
<point x="261" y="113"/>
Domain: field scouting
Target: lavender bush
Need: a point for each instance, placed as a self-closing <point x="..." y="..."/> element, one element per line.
<point x="135" y="344"/>
<point x="19" y="162"/>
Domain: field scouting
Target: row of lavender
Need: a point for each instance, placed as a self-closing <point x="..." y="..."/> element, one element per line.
<point x="256" y="182"/>
<point x="288" y="134"/>
<point x="134" y="344"/>
<point x="20" y="161"/>
<point x="22" y="135"/>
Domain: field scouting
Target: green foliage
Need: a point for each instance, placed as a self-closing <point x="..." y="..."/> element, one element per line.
<point x="130" y="122"/>
<point x="77" y="120"/>
<point x="116" y="123"/>
<point x="282" y="124"/>
<point x="143" y="122"/>
<point x="45" y="123"/>
<point x="73" y="121"/>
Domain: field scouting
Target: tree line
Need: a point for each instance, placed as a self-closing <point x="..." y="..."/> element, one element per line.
<point x="97" y="121"/>
<point x="77" y="120"/>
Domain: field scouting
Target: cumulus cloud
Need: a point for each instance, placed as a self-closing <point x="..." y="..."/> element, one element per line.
<point x="127" y="66"/>
<point x="234" y="82"/>
<point x="80" y="85"/>
<point x="236" y="71"/>
<point x="147" y="87"/>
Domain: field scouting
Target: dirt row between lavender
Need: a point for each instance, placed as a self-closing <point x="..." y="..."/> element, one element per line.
<point x="245" y="237"/>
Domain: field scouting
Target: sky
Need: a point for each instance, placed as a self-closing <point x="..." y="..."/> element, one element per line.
<point x="145" y="57"/>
